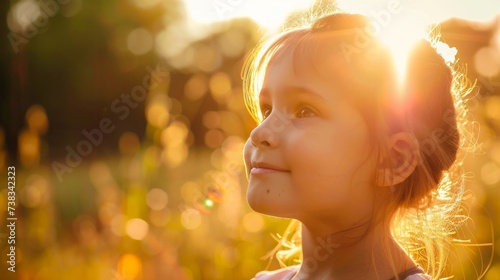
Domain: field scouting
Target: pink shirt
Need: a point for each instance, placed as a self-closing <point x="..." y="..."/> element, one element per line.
<point x="288" y="273"/>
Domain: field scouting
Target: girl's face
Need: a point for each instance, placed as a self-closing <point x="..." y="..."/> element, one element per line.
<point x="310" y="158"/>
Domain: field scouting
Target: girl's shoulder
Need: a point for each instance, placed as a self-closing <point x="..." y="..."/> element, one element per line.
<point x="280" y="274"/>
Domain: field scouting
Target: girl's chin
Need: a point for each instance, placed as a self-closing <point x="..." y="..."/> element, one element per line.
<point x="268" y="206"/>
<point x="259" y="204"/>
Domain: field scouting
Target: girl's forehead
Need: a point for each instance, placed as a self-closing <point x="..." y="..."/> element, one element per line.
<point x="313" y="57"/>
<point x="310" y="50"/>
<point x="361" y="75"/>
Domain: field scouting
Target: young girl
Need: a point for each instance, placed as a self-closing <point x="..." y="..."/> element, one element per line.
<point x="365" y="164"/>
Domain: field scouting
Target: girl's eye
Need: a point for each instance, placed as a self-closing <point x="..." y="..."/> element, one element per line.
<point x="266" y="111"/>
<point x="305" y="112"/>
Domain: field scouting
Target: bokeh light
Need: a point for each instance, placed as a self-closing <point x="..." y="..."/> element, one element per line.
<point x="214" y="138"/>
<point x="231" y="43"/>
<point x="36" y="192"/>
<point x="220" y="86"/>
<point x="175" y="134"/>
<point x="487" y="61"/>
<point x="36" y="118"/>
<point x="139" y="41"/>
<point x="129" y="143"/>
<point x="196" y="87"/>
<point x="22" y="15"/>
<point x="137" y="228"/>
<point x="207" y="58"/>
<point x="490" y="173"/>
<point x="492" y="108"/>
<point x="29" y="148"/>
<point x="129" y="267"/>
<point x="191" y="218"/>
<point x="157" y="199"/>
<point x="157" y="112"/>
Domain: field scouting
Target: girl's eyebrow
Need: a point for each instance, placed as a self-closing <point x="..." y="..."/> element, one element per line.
<point x="297" y="91"/>
<point x="306" y="92"/>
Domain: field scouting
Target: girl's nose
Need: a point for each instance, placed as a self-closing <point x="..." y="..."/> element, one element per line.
<point x="264" y="137"/>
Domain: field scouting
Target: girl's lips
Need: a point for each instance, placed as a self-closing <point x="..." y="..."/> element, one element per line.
<point x="265" y="168"/>
<point x="257" y="170"/>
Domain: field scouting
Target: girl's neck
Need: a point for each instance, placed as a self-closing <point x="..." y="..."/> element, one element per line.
<point x="360" y="253"/>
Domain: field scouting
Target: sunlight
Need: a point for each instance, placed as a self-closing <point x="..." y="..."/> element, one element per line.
<point x="272" y="13"/>
<point x="392" y="22"/>
<point x="400" y="23"/>
<point x="267" y="13"/>
<point x="400" y="37"/>
<point x="427" y="11"/>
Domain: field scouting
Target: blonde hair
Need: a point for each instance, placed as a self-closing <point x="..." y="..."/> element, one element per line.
<point x="426" y="209"/>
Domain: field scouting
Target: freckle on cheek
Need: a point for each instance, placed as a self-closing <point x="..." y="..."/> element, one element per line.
<point x="268" y="191"/>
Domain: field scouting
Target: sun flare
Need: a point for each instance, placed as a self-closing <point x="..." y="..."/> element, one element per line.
<point x="398" y="23"/>
<point x="400" y="37"/>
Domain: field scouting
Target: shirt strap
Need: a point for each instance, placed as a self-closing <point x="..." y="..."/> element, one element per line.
<point x="408" y="272"/>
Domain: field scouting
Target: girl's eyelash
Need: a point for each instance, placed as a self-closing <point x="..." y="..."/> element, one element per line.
<point x="265" y="111"/>
<point x="305" y="112"/>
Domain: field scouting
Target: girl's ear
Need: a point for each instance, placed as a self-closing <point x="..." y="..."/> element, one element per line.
<point x="403" y="156"/>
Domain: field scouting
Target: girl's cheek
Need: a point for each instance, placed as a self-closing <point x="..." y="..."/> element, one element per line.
<point x="247" y="153"/>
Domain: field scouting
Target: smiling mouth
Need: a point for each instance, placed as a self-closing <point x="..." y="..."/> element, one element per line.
<point x="260" y="168"/>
